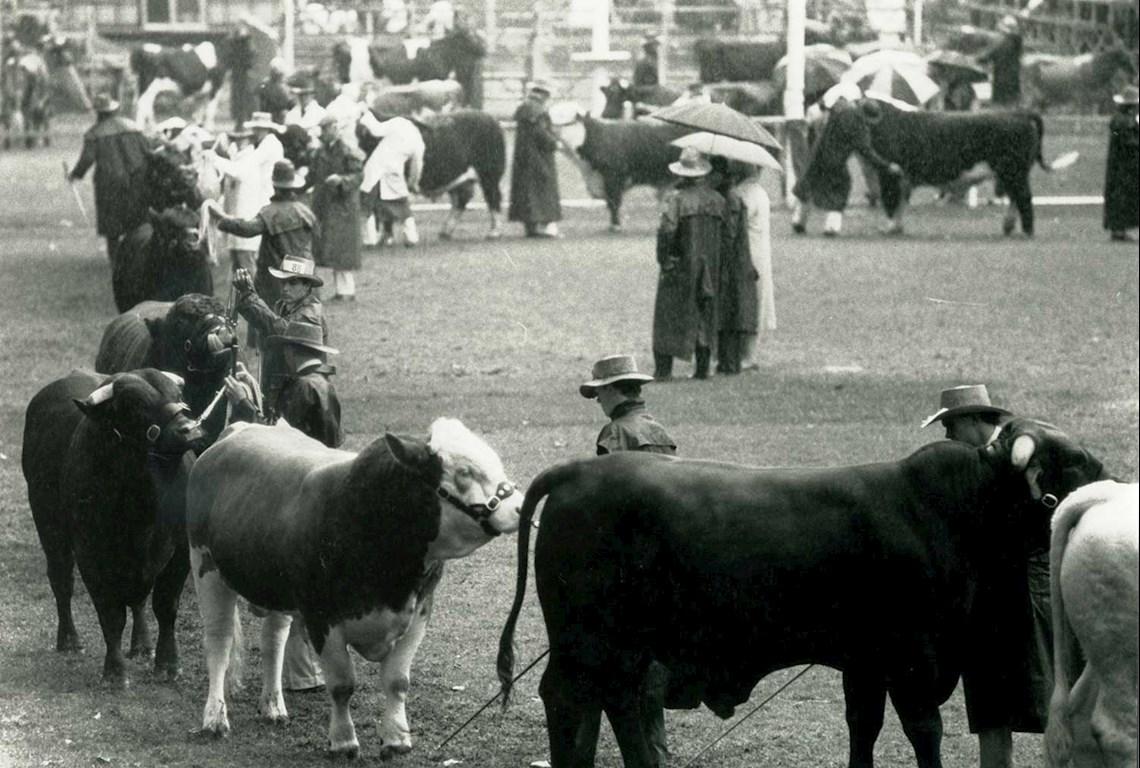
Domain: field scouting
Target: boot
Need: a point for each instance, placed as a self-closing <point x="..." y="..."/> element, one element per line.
<point x="411" y="234"/>
<point x="704" y="355"/>
<point x="662" y="367"/>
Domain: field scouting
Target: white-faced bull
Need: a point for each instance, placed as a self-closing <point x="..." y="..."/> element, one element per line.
<point x="350" y="543"/>
<point x="104" y="461"/>
<point x="725" y="573"/>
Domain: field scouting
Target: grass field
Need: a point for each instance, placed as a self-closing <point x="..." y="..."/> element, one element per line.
<point x="499" y="335"/>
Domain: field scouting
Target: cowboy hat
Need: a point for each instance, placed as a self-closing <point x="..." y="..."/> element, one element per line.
<point x="691" y="165"/>
<point x="305" y="334"/>
<point x="1130" y="95"/>
<point x="609" y="370"/>
<point x="963" y="400"/>
<point x="104" y="102"/>
<point x="297" y="268"/>
<point x="263" y="120"/>
<point x="285" y="176"/>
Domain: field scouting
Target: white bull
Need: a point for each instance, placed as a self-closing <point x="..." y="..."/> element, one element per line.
<point x="1095" y="582"/>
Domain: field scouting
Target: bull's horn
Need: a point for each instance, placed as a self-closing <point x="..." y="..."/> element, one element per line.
<point x="1022" y="451"/>
<point x="102" y="394"/>
<point x="178" y="380"/>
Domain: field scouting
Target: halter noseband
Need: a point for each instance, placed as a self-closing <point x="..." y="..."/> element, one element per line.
<point x="480" y="513"/>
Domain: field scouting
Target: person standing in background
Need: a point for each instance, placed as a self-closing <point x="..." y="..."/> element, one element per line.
<point x="241" y="62"/>
<point x="534" y="178"/>
<point x="646" y="70"/>
<point x="273" y="95"/>
<point x="737" y="296"/>
<point x="469" y="70"/>
<point x="1005" y="57"/>
<point x="386" y="188"/>
<point x="439" y="20"/>
<point x="758" y="218"/>
<point x="335" y="173"/>
<point x="1122" y="168"/>
<point x="119" y="151"/>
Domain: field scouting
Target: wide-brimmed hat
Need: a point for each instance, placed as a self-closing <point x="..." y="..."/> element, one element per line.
<point x="285" y="176"/>
<point x="240" y="133"/>
<point x="174" y="123"/>
<point x="540" y="87"/>
<point x="306" y="334"/>
<point x="609" y="370"/>
<point x="963" y="400"/>
<point x="104" y="102"/>
<point x="1130" y="95"/>
<point x="692" y="164"/>
<point x="297" y="267"/>
<point x="263" y="120"/>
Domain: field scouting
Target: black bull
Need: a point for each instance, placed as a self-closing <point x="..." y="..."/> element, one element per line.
<point x="724" y="574"/>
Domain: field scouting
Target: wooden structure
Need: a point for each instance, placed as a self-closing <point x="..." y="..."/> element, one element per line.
<point x="1066" y="26"/>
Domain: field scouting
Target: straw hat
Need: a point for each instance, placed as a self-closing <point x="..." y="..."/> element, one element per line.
<point x="297" y="267"/>
<point x="609" y="370"/>
<point x="692" y="164"/>
<point x="104" y="102"/>
<point x="285" y="176"/>
<point x="306" y="334"/>
<point x="963" y="400"/>
<point x="1130" y="95"/>
<point x="263" y="120"/>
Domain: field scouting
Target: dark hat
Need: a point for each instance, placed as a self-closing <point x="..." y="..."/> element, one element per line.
<point x="963" y="400"/>
<point x="609" y="370"/>
<point x="103" y="102"/>
<point x="650" y="39"/>
<point x="305" y="334"/>
<point x="285" y="176"/>
<point x="297" y="267"/>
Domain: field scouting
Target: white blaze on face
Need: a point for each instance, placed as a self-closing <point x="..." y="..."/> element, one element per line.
<point x="473" y="471"/>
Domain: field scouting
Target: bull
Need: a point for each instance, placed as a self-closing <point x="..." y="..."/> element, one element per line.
<point x="1094" y="573"/>
<point x="937" y="148"/>
<point x="161" y="259"/>
<point x="615" y="155"/>
<point x="190" y="71"/>
<point x="352" y="544"/>
<point x="190" y="337"/>
<point x="104" y="460"/>
<point x="725" y="573"/>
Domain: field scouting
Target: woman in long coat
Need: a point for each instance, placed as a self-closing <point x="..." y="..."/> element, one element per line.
<point x="335" y="172"/>
<point x="534" y="179"/>
<point x="1122" y="170"/>
<point x="690" y="239"/>
<point x="757" y="231"/>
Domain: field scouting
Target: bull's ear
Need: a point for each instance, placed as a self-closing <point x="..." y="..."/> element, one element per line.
<point x="871" y="110"/>
<point x="95" y="404"/>
<point x="411" y="454"/>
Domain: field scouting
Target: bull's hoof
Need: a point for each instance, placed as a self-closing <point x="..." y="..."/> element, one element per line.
<point x="116" y="681"/>
<point x="799" y="229"/>
<point x="830" y="233"/>
<point x="892" y="230"/>
<point x="143" y="651"/>
<point x="1007" y="228"/>
<point x="68" y="642"/>
<point x="215" y="730"/>
<point x="346" y="752"/>
<point x="494" y="234"/>
<point x="388" y="751"/>
<point x="615" y="228"/>
<point x="167" y="671"/>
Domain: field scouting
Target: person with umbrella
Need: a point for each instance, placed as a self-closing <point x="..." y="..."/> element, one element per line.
<point x="691" y="237"/>
<point x="1122" y="169"/>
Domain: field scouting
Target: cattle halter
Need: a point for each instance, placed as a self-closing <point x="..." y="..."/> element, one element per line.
<point x="480" y="513"/>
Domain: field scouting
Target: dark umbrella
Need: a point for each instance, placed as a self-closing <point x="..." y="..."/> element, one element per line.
<point x="823" y="66"/>
<point x="719" y="119"/>
<point x="952" y="66"/>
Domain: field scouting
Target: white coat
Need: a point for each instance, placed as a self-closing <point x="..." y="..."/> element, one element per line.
<point x="248" y="184"/>
<point x="759" y="208"/>
<point x="400" y="142"/>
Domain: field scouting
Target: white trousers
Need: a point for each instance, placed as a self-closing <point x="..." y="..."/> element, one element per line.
<point x="344" y="282"/>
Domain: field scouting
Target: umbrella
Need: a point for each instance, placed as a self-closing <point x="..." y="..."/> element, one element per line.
<point x="952" y="66"/>
<point x="823" y="66"/>
<point x="898" y="74"/>
<point x="719" y="119"/>
<point x="727" y="147"/>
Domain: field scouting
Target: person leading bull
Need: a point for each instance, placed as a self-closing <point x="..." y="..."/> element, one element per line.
<point x="119" y="151"/>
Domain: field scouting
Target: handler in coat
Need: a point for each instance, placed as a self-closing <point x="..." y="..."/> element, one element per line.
<point x="694" y="227"/>
<point x="118" y="150"/>
<point x="335" y="172"/>
<point x="534" y="180"/>
<point x="1122" y="170"/>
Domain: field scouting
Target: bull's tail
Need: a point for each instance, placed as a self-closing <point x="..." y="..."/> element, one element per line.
<point x="1058" y="163"/>
<point x="539" y="488"/>
<point x="1065" y="698"/>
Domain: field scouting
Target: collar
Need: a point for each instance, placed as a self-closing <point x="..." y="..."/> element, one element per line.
<point x="627" y="407"/>
<point x="994" y="437"/>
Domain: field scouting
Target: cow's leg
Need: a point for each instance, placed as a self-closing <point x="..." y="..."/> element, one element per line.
<point x="459" y="197"/>
<point x="56" y="542"/>
<point x="894" y="193"/>
<point x="164" y="602"/>
<point x="493" y="196"/>
<point x="572" y="717"/>
<point x="800" y="216"/>
<point x="274" y="633"/>
<point x="142" y="642"/>
<point x="216" y="604"/>
<point x="1113" y="720"/>
<point x="396" y="678"/>
<point x="922" y="724"/>
<point x="112" y="620"/>
<point x="865" y="696"/>
<point x="340" y="681"/>
<point x="614" y="190"/>
<point x="1021" y="198"/>
<point x="623" y="707"/>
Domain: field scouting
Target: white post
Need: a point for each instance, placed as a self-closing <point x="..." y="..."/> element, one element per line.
<point x="794" y="89"/>
<point x="918" y="23"/>
<point x="600" y="37"/>
<point x="288" y="39"/>
<point x="663" y="49"/>
<point x="490" y="24"/>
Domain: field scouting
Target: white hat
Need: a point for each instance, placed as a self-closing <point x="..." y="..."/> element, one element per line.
<point x="263" y="120"/>
<point x="691" y="164"/>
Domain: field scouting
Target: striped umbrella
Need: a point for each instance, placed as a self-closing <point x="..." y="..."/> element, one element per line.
<point x="899" y="75"/>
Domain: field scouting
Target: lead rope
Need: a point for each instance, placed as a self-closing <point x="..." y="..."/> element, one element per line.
<point x="751" y="712"/>
<point x="490" y="701"/>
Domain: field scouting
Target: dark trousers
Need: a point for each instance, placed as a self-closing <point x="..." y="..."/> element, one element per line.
<point x="729" y="350"/>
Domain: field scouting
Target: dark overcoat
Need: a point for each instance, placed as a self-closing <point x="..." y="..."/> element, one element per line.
<point x="1122" y="174"/>
<point x="534" y="178"/>
<point x="1005" y="57"/>
<point x="738" y="300"/>
<point x="336" y="204"/>
<point x="826" y="182"/>
<point x="275" y="321"/>
<point x="309" y="403"/>
<point x="119" y="151"/>
<point x="690" y="238"/>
